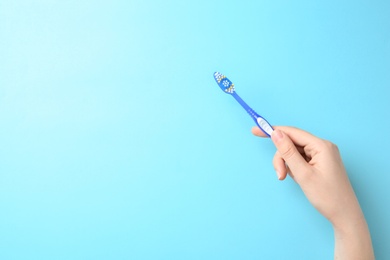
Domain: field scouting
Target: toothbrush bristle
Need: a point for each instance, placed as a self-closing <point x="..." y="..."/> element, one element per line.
<point x="224" y="83"/>
<point x="218" y="77"/>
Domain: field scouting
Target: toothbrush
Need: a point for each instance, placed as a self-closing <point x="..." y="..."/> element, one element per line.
<point x="228" y="87"/>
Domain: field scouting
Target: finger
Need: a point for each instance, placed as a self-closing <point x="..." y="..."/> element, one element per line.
<point x="257" y="132"/>
<point x="280" y="166"/>
<point x="289" y="152"/>
<point x="298" y="136"/>
<point x="290" y="173"/>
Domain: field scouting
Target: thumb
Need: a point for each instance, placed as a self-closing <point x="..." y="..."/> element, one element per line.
<point x="288" y="151"/>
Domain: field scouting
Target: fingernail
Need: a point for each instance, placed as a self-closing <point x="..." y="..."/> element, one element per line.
<point x="279" y="175"/>
<point x="277" y="135"/>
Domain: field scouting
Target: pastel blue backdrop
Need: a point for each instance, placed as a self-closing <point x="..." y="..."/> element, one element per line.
<point x="116" y="143"/>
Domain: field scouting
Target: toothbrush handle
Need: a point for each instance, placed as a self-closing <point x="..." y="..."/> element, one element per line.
<point x="259" y="120"/>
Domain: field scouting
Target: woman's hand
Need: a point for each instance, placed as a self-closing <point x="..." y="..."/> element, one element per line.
<point x="315" y="164"/>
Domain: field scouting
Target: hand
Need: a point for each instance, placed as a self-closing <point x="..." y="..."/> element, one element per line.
<point x="315" y="164"/>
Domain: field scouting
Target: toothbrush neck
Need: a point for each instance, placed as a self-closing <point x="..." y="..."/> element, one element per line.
<point x="250" y="111"/>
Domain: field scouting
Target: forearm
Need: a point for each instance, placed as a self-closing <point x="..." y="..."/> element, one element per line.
<point x="353" y="241"/>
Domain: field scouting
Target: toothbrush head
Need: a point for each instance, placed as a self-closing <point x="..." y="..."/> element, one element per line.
<point x="224" y="83"/>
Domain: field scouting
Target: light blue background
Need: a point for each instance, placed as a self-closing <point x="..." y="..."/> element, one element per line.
<point x="116" y="143"/>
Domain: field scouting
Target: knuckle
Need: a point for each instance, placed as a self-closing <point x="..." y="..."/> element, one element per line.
<point x="277" y="157"/>
<point x="330" y="146"/>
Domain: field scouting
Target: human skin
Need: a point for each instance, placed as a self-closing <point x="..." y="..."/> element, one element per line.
<point x="316" y="165"/>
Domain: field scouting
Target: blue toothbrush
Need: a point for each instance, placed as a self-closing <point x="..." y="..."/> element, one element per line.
<point x="228" y="87"/>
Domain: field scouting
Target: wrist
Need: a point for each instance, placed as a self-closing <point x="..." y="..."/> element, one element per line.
<point x="350" y="226"/>
<point x="352" y="239"/>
